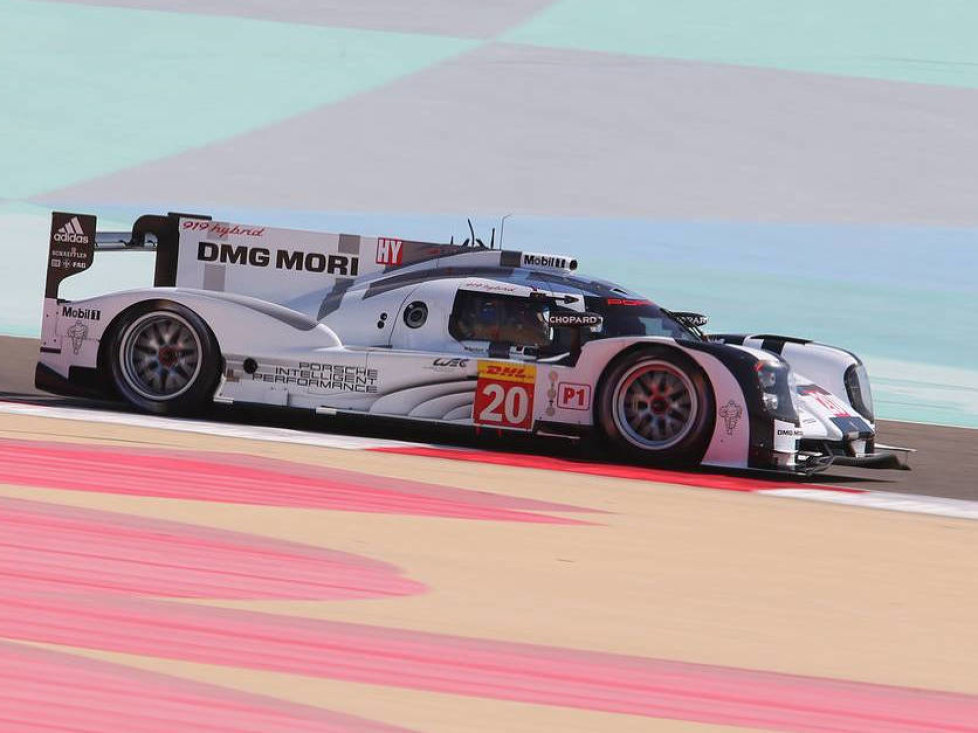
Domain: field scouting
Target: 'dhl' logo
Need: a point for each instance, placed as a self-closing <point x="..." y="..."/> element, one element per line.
<point x="505" y="371"/>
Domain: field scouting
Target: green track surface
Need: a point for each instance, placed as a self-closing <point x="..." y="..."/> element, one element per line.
<point x="86" y="90"/>
<point x="909" y="40"/>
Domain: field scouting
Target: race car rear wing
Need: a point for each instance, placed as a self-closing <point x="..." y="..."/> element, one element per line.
<point x="276" y="265"/>
<point x="280" y="266"/>
<point x="194" y="251"/>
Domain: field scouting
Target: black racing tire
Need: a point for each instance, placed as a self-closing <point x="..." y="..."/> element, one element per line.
<point x="163" y="359"/>
<point x="656" y="405"/>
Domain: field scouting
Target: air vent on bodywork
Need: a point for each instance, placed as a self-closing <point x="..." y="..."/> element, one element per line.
<point x="416" y="314"/>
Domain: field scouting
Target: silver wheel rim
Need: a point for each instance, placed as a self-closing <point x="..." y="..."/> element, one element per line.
<point x="655" y="405"/>
<point x="160" y="356"/>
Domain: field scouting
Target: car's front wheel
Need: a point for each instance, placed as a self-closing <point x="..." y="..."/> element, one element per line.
<point x="656" y="405"/>
<point x="164" y="359"/>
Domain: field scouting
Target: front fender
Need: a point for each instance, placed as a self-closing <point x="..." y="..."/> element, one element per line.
<point x="744" y="434"/>
<point x="836" y="370"/>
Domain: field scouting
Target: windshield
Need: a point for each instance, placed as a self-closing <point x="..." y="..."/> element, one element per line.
<point x="635" y="317"/>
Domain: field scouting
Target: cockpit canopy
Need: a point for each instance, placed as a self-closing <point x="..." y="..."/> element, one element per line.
<point x="501" y="318"/>
<point x="525" y="321"/>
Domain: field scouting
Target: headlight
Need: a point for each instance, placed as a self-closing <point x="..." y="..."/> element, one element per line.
<point x="859" y="392"/>
<point x="767" y="376"/>
<point x="772" y="379"/>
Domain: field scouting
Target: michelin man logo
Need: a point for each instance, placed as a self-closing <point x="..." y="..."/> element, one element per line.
<point x="731" y="413"/>
<point x="77" y="333"/>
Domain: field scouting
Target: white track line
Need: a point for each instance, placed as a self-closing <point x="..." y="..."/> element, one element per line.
<point x="227" y="430"/>
<point x="913" y="503"/>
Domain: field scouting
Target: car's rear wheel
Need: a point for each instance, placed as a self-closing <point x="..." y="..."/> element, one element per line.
<point x="164" y="359"/>
<point x="656" y="405"/>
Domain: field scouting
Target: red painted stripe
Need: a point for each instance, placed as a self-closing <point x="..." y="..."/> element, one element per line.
<point x="517" y="672"/>
<point x="45" y="547"/>
<point x="306" y="470"/>
<point x="638" y="473"/>
<point x="175" y="475"/>
<point x="45" y="690"/>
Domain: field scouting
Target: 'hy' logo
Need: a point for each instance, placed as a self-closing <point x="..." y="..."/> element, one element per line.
<point x="389" y="251"/>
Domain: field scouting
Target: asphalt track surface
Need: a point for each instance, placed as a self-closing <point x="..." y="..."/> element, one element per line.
<point x="945" y="465"/>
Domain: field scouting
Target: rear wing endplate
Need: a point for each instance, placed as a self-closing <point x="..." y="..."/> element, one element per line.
<point x="74" y="242"/>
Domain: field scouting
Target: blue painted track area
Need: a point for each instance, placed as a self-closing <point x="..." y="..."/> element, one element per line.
<point x="719" y="162"/>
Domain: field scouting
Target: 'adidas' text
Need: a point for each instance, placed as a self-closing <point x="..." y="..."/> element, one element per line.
<point x="71" y="233"/>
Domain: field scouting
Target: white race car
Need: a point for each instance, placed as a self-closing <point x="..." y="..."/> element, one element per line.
<point x="455" y="334"/>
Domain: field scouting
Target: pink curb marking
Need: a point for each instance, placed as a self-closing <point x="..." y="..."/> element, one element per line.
<point x="180" y="475"/>
<point x="489" y="669"/>
<point x="53" y="548"/>
<point x="46" y="690"/>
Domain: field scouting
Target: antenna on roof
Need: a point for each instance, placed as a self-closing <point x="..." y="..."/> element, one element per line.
<point x="502" y="227"/>
<point x="474" y="241"/>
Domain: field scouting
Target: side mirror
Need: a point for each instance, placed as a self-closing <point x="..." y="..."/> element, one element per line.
<point x="579" y="324"/>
